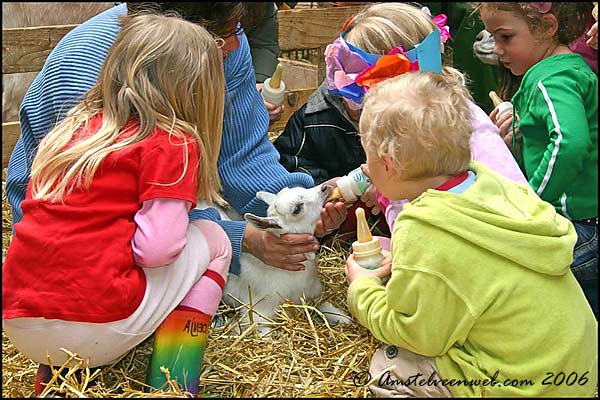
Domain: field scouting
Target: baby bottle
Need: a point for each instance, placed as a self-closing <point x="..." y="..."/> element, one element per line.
<point x="504" y="107"/>
<point x="366" y="249"/>
<point x="351" y="186"/>
<point x="273" y="89"/>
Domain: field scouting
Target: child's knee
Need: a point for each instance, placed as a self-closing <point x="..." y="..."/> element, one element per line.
<point x="217" y="240"/>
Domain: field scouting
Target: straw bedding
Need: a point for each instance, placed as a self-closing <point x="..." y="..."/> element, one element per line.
<point x="302" y="356"/>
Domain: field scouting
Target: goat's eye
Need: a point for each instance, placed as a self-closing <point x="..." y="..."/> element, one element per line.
<point x="297" y="209"/>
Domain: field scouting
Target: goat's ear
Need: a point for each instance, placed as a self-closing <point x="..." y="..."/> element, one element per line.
<point x="263" y="223"/>
<point x="267" y="197"/>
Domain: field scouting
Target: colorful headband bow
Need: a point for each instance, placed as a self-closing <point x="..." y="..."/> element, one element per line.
<point x="440" y="20"/>
<point x="350" y="71"/>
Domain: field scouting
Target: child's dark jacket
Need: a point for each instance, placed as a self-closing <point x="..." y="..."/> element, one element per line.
<point x="320" y="139"/>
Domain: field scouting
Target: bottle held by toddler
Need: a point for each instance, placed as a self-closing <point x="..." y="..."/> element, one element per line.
<point x="366" y="249"/>
<point x="351" y="186"/>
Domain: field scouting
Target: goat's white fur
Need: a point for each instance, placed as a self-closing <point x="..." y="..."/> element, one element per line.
<point x="292" y="210"/>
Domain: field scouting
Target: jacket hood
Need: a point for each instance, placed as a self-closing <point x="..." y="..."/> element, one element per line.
<point x="502" y="217"/>
<point x="321" y="100"/>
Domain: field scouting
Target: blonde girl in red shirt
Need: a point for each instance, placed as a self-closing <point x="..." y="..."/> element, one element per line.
<point x="105" y="255"/>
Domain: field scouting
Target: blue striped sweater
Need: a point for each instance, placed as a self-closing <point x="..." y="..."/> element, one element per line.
<point x="248" y="162"/>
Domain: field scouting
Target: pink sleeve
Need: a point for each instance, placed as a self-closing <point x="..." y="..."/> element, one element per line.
<point x="161" y="231"/>
<point x="488" y="148"/>
<point x="390" y="209"/>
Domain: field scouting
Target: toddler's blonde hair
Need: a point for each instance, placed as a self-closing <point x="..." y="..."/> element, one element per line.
<point x="162" y="71"/>
<point x="421" y="120"/>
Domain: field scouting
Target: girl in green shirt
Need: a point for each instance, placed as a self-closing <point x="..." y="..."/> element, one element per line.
<point x="556" y="109"/>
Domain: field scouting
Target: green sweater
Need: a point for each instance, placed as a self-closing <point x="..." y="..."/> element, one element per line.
<point x="481" y="282"/>
<point x="557" y="105"/>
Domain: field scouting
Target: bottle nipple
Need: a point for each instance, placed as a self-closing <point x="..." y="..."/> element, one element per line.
<point x="275" y="81"/>
<point x="335" y="194"/>
<point x="363" y="233"/>
<point x="365" y="245"/>
<point x="495" y="98"/>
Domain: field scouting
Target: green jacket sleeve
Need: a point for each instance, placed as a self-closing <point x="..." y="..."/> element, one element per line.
<point x="417" y="311"/>
<point x="557" y="101"/>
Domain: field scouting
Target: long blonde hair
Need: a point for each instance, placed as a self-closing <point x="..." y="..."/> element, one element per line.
<point x="165" y="73"/>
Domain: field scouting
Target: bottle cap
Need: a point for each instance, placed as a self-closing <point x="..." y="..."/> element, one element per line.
<point x="595" y="11"/>
<point x="366" y="249"/>
<point x="495" y="98"/>
<point x="503" y="108"/>
<point x="275" y="81"/>
<point x="366" y="245"/>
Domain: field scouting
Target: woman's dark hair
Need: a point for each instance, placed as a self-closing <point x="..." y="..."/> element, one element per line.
<point x="213" y="16"/>
<point x="255" y="13"/>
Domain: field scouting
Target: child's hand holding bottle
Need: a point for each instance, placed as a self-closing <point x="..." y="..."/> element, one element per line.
<point x="355" y="271"/>
<point x="502" y="117"/>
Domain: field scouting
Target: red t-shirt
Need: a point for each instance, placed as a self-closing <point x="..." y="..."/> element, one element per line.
<point x="74" y="261"/>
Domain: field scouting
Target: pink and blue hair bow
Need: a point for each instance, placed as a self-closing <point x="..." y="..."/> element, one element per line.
<point x="352" y="71"/>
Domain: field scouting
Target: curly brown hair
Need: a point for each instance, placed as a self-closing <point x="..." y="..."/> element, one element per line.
<point x="571" y="17"/>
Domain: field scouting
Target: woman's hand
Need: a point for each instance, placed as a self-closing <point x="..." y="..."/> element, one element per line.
<point x="355" y="271"/>
<point x="332" y="216"/>
<point x="285" y="252"/>
<point x="275" y="112"/>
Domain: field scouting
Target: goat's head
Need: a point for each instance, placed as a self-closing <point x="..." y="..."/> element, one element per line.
<point x="292" y="210"/>
<point x="483" y="48"/>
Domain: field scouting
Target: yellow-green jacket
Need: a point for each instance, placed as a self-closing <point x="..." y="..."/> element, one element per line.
<point x="481" y="282"/>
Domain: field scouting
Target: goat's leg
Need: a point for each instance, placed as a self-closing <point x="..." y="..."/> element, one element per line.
<point x="333" y="314"/>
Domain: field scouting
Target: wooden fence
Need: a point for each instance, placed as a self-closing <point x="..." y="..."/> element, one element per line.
<point x="26" y="49"/>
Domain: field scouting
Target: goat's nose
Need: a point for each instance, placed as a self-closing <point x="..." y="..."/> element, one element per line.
<point x="325" y="188"/>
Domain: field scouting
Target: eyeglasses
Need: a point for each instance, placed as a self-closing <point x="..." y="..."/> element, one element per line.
<point x="220" y="42"/>
<point x="220" y="39"/>
<point x="237" y="31"/>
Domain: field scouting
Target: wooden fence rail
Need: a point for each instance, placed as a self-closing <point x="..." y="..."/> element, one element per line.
<point x="26" y="50"/>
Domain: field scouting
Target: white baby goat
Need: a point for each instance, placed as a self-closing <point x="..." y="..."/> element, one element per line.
<point x="292" y="210"/>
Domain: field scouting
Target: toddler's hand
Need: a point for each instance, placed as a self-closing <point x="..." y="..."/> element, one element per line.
<point x="370" y="199"/>
<point x="355" y="271"/>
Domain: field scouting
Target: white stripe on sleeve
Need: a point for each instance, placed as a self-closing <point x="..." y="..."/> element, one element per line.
<point x="556" y="142"/>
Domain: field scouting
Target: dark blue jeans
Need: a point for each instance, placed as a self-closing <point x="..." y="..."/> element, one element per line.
<point x="585" y="262"/>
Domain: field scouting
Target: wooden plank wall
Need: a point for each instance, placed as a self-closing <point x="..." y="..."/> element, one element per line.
<point x="26" y="49"/>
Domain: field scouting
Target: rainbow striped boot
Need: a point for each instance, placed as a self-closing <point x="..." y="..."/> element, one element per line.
<point x="179" y="344"/>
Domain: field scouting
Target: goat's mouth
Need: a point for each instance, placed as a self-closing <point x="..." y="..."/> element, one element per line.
<point x="326" y="191"/>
